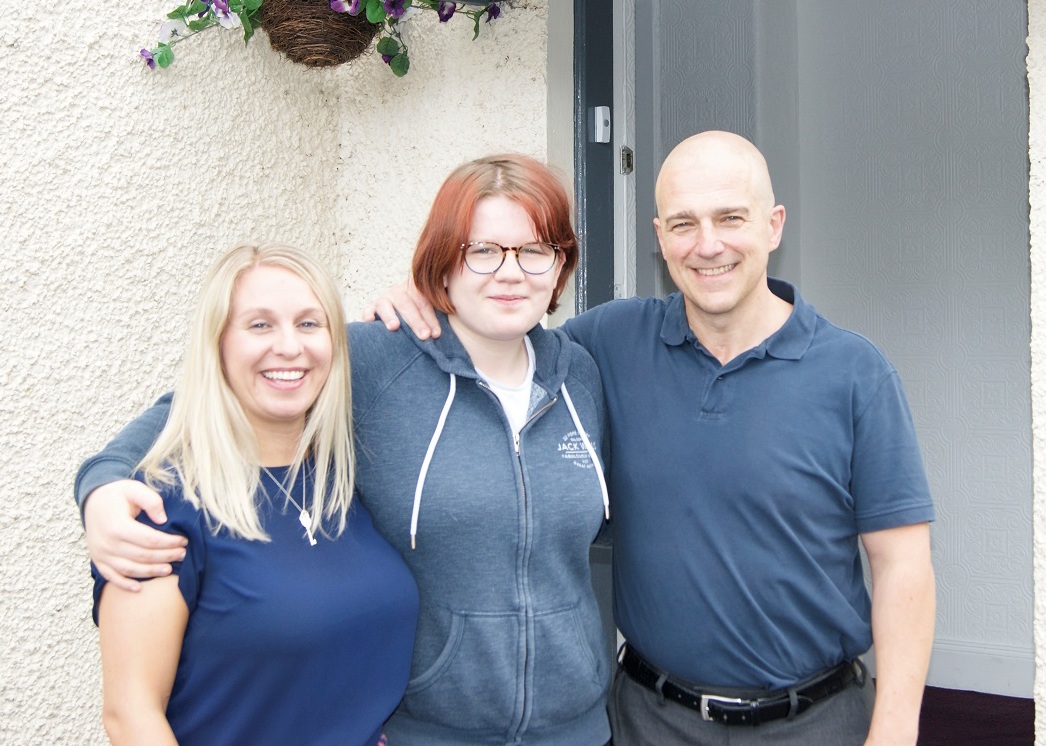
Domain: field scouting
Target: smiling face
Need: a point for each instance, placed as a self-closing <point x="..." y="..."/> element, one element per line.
<point x="276" y="348"/>
<point x="505" y="305"/>
<point x="717" y="225"/>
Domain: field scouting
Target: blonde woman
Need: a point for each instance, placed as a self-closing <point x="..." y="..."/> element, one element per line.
<point x="289" y="620"/>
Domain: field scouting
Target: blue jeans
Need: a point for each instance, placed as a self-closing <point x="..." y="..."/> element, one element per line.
<point x="638" y="719"/>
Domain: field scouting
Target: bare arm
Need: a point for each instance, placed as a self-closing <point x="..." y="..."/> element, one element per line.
<point x="122" y="548"/>
<point x="417" y="312"/>
<point x="141" y="640"/>
<point x="903" y="609"/>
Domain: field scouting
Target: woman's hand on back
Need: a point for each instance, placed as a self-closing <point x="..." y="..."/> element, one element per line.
<point x="122" y="548"/>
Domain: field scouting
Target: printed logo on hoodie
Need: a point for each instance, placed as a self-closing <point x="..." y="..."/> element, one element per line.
<point x="571" y="447"/>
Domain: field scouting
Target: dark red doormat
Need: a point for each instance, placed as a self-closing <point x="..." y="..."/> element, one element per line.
<point x="951" y="717"/>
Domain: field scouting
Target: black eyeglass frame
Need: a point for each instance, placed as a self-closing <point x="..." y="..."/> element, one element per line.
<point x="504" y="252"/>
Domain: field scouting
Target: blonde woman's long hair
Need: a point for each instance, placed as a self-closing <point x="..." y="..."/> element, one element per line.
<point x="209" y="446"/>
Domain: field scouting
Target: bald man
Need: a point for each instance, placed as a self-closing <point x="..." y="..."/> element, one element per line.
<point x="754" y="444"/>
<point x="754" y="447"/>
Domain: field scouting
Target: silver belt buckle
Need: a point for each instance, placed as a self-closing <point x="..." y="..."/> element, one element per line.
<point x="706" y="698"/>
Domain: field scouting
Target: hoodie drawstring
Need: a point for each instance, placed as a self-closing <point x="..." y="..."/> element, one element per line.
<point x="591" y="450"/>
<point x="428" y="459"/>
<point x="419" y="488"/>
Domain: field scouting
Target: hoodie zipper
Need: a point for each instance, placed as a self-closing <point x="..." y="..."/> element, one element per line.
<point x="526" y="539"/>
<point x="526" y="609"/>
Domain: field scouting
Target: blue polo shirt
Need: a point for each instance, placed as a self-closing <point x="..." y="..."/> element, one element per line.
<point x="739" y="490"/>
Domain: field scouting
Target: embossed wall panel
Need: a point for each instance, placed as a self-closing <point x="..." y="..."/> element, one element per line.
<point x="914" y="178"/>
<point x="711" y="42"/>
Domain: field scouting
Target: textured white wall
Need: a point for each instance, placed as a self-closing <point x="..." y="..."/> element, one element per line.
<point x="119" y="186"/>
<point x="1037" y="197"/>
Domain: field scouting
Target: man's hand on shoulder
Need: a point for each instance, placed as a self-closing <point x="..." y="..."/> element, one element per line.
<point x="416" y="311"/>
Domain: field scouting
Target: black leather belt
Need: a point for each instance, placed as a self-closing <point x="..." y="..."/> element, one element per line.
<point x="729" y="709"/>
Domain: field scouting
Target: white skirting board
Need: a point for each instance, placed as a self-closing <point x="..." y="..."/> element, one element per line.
<point x="990" y="669"/>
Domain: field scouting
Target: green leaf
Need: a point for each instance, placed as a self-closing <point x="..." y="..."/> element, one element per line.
<point x="400" y="64"/>
<point x="195" y="8"/>
<point x="475" y="29"/>
<point x="253" y="5"/>
<point x="199" y="24"/>
<point x="376" y="11"/>
<point x="248" y="28"/>
<point x="388" y="45"/>
<point x="163" y="55"/>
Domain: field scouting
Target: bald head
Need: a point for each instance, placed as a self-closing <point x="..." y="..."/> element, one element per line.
<point x="708" y="158"/>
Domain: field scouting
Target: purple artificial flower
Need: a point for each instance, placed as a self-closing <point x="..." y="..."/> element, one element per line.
<point x="386" y="58"/>
<point x="445" y="11"/>
<point x="148" y="57"/>
<point x="395" y="8"/>
<point x="352" y="7"/>
<point x="493" y="12"/>
<point x="226" y="18"/>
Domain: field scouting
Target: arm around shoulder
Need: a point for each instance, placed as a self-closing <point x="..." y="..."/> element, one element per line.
<point x="123" y="453"/>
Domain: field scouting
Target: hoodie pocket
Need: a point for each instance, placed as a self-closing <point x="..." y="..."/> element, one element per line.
<point x="571" y="671"/>
<point x="473" y="682"/>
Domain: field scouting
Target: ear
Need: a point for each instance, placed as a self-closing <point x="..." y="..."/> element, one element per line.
<point x="560" y="261"/>
<point x="660" y="239"/>
<point x="777" y="223"/>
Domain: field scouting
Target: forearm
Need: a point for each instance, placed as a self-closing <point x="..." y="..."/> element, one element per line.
<point x="903" y="611"/>
<point x="120" y="455"/>
<point x="129" y="725"/>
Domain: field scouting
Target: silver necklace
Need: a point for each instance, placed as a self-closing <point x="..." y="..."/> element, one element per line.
<point x="303" y="517"/>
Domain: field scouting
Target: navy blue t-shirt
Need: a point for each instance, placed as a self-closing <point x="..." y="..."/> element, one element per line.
<point x="288" y="643"/>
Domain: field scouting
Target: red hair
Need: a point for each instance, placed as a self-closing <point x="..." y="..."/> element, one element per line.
<point x="520" y="178"/>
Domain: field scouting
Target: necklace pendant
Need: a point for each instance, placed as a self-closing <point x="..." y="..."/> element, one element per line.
<point x="306" y="521"/>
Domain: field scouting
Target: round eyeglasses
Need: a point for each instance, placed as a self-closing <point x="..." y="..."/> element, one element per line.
<point x="486" y="257"/>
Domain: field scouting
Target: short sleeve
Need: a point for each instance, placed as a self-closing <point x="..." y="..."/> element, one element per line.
<point x="582" y="328"/>
<point x="888" y="478"/>
<point x="185" y="520"/>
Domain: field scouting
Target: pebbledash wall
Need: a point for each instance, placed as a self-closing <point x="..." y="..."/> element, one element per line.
<point x="1037" y="218"/>
<point x="119" y="186"/>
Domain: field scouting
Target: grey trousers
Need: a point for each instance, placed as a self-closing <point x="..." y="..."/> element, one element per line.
<point x="638" y="719"/>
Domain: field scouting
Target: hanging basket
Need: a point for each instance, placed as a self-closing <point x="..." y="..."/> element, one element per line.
<point x="310" y="33"/>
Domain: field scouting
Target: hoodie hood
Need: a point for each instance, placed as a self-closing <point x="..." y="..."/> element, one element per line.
<point x="552" y="354"/>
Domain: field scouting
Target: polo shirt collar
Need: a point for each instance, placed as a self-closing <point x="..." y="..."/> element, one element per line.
<point x="789" y="342"/>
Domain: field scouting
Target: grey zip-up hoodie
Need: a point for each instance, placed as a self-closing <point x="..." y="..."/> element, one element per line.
<point x="509" y="645"/>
